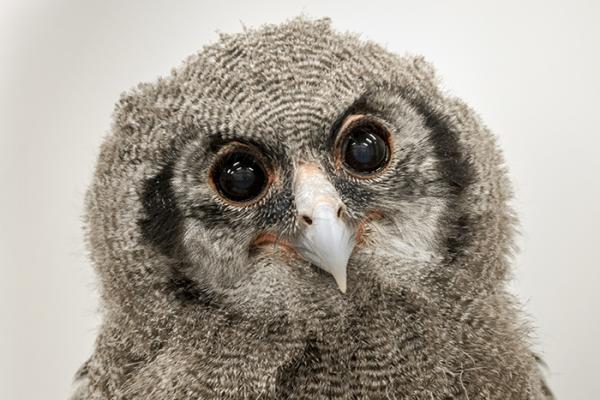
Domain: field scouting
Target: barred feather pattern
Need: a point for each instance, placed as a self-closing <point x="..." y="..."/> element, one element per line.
<point x="190" y="313"/>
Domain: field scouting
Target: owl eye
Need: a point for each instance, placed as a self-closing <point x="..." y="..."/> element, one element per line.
<point x="239" y="176"/>
<point x="364" y="148"/>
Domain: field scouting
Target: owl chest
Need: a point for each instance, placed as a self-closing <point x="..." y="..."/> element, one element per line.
<point x="355" y="364"/>
<point x="361" y="367"/>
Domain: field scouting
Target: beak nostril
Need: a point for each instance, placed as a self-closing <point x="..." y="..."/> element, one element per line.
<point x="340" y="211"/>
<point x="307" y="219"/>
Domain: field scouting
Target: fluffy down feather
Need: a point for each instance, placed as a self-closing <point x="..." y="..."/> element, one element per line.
<point x="190" y="311"/>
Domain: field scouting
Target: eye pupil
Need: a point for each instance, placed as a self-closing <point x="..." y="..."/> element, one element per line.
<point x="364" y="149"/>
<point x="239" y="176"/>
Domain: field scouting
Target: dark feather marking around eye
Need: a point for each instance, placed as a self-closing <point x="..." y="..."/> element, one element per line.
<point x="161" y="227"/>
<point x="455" y="168"/>
<point x="162" y="223"/>
<point x="456" y="171"/>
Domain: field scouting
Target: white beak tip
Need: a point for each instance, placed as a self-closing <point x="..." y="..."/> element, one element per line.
<point x="341" y="282"/>
<point x="327" y="241"/>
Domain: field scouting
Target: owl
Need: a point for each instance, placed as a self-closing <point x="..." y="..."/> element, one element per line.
<point x="295" y="213"/>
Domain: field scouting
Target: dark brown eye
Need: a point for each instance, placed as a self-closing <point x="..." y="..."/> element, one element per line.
<point x="364" y="147"/>
<point x="239" y="176"/>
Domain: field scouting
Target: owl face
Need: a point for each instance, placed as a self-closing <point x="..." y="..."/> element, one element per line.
<point x="299" y="179"/>
<point x="313" y="215"/>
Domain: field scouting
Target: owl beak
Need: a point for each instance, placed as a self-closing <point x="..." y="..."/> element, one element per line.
<point x="325" y="238"/>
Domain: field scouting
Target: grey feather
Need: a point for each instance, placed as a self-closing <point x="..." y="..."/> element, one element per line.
<point x="190" y="311"/>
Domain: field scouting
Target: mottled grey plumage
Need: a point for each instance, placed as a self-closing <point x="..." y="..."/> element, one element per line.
<point x="192" y="310"/>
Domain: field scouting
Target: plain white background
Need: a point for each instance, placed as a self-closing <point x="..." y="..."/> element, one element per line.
<point x="529" y="68"/>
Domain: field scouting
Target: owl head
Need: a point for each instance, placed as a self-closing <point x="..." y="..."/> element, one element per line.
<point x="294" y="171"/>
